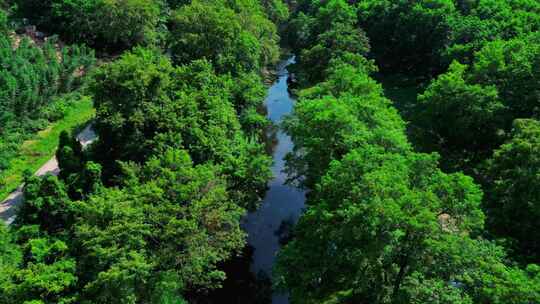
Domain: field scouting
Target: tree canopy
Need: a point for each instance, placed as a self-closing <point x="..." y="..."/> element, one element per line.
<point x="415" y="138"/>
<point x="387" y="224"/>
<point x="37" y="85"/>
<point x="235" y="36"/>
<point x="151" y="211"/>
<point x="513" y="188"/>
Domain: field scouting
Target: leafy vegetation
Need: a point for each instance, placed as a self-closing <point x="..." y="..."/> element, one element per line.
<point x="150" y="211"/>
<point x="385" y="224"/>
<point x="36" y="85"/>
<point x="33" y="153"/>
<point x="235" y="38"/>
<point x="434" y="199"/>
<point x="31" y="81"/>
<point x="104" y="24"/>
<point x="423" y="37"/>
<point x="513" y="188"/>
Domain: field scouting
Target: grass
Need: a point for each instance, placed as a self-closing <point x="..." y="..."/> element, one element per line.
<point x="37" y="151"/>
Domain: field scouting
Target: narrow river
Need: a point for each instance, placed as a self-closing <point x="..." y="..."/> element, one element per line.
<point x="282" y="204"/>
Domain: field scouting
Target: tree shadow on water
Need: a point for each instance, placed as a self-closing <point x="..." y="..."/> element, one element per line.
<point x="241" y="286"/>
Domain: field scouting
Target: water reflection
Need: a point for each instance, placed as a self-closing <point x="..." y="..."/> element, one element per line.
<point x="268" y="228"/>
<point x="242" y="286"/>
<point x="270" y="225"/>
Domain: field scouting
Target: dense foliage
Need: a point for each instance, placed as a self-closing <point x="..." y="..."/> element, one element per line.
<point x="424" y="36"/>
<point x="329" y="33"/>
<point x="145" y="105"/>
<point x="469" y="111"/>
<point x="33" y="81"/>
<point x="438" y="203"/>
<point x="235" y="38"/>
<point x="151" y="211"/>
<point x="354" y="112"/>
<point x="476" y="64"/>
<point x="513" y="189"/>
<point x="385" y="224"/>
<point x="105" y="24"/>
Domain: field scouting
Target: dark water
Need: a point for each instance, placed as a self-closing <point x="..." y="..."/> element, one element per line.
<point x="248" y="275"/>
<point x="282" y="204"/>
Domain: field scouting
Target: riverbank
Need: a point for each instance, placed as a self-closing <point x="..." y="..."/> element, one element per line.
<point x="35" y="153"/>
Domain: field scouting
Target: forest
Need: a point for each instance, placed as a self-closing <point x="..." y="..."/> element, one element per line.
<point x="415" y="145"/>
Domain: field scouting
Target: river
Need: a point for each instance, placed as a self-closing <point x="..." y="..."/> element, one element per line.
<point x="282" y="204"/>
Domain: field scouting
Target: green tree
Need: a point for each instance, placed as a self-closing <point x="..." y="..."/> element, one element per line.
<point x="354" y="118"/>
<point x="255" y="19"/>
<point x="328" y="35"/>
<point x="514" y="189"/>
<point x="340" y="40"/>
<point x="4" y="28"/>
<point x="171" y="222"/>
<point x="298" y="33"/>
<point x="105" y="24"/>
<point x="45" y="274"/>
<point x="468" y="34"/>
<point x="276" y="10"/>
<point x="69" y="154"/>
<point x="460" y="119"/>
<point x="249" y="91"/>
<point x="370" y="223"/>
<point x="39" y="11"/>
<point x="235" y="38"/>
<point x="407" y="36"/>
<point x="513" y="67"/>
<point x="145" y="106"/>
<point x="473" y="271"/>
<point x="510" y="18"/>
<point x="10" y="259"/>
<point x="129" y="95"/>
<point x="47" y="205"/>
<point x="34" y="83"/>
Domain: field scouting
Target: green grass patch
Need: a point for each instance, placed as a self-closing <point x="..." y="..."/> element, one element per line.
<point x="36" y="152"/>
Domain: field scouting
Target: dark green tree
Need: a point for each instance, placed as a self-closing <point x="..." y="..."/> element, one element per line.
<point x="513" y="67"/>
<point x="513" y="203"/>
<point x="407" y="36"/>
<point x="47" y="205"/>
<point x="459" y="119"/>
<point x="105" y="24"/>
<point x="371" y="224"/>
<point x="235" y="38"/>
<point x="69" y="155"/>
<point x="33" y="85"/>
<point x="39" y="270"/>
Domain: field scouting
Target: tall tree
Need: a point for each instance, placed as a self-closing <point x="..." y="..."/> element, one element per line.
<point x="514" y="68"/>
<point x="460" y="119"/>
<point x="371" y="224"/>
<point x="171" y="223"/>
<point x="407" y="36"/>
<point x="349" y="121"/>
<point x="235" y="36"/>
<point x="514" y="190"/>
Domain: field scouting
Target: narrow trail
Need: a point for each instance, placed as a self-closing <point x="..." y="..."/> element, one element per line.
<point x="8" y="208"/>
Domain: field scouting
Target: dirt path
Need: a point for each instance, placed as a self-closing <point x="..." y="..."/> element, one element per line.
<point x="8" y="208"/>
